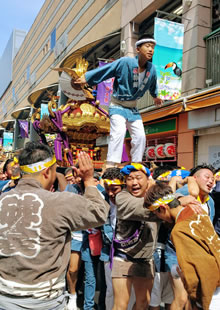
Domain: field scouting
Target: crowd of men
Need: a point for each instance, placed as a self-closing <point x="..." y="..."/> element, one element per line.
<point x="129" y="238"/>
<point x="140" y="238"/>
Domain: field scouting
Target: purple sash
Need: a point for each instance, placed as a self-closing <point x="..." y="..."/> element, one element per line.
<point x="125" y="243"/>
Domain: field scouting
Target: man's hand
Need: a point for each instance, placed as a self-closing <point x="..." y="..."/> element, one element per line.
<point x="81" y="80"/>
<point x="52" y="189"/>
<point x="61" y="181"/>
<point x="158" y="102"/>
<point x="12" y="183"/>
<point x="192" y="202"/>
<point x="86" y="169"/>
<point x="185" y="200"/>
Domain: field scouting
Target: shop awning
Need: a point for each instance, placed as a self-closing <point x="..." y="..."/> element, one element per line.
<point x="22" y="113"/>
<point x="101" y="47"/>
<point x="204" y="99"/>
<point x="199" y="100"/>
<point x="42" y="94"/>
<point x="172" y="109"/>
<point x="8" y="124"/>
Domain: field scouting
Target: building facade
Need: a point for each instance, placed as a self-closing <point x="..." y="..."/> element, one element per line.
<point x="108" y="29"/>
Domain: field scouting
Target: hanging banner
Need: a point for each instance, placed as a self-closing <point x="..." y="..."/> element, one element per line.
<point x="167" y="57"/>
<point x="7" y="141"/>
<point x="43" y="110"/>
<point x="23" y="126"/>
<point x="104" y="89"/>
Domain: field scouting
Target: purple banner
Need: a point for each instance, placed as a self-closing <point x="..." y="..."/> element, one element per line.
<point x="104" y="89"/>
<point x="23" y="125"/>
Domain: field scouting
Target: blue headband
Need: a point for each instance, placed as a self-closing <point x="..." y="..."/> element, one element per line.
<point x="135" y="167"/>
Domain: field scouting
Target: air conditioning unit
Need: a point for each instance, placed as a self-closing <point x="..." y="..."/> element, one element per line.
<point x="208" y="82"/>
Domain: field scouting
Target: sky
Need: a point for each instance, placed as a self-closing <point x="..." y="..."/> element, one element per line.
<point x="16" y="14"/>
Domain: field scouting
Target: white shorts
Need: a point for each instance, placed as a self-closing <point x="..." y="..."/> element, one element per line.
<point x="162" y="290"/>
<point x="215" y="302"/>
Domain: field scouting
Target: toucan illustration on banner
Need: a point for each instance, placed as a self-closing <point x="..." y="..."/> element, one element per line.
<point x="177" y="71"/>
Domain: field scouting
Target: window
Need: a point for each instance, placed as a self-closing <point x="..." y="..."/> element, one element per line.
<point x="53" y="39"/>
<point x="4" y="108"/>
<point x="28" y="72"/>
<point x="46" y="48"/>
<point x="215" y="14"/>
<point x="14" y="95"/>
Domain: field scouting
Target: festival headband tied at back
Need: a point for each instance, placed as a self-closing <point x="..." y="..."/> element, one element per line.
<point x="15" y="162"/>
<point x="161" y="201"/>
<point x="135" y="167"/>
<point x="142" y="41"/>
<point x="164" y="176"/>
<point x="114" y="182"/>
<point x="68" y="175"/>
<point x="39" y="166"/>
<point x="183" y="173"/>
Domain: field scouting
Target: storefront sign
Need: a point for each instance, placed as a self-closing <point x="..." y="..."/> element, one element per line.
<point x="160" y="127"/>
<point x="166" y="126"/>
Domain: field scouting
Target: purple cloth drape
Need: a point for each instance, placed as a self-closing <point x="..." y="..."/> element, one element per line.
<point x="124" y="155"/>
<point x="23" y="126"/>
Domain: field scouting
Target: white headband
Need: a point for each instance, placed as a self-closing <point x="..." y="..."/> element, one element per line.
<point x="163" y="200"/>
<point x="145" y="41"/>
<point x="39" y="166"/>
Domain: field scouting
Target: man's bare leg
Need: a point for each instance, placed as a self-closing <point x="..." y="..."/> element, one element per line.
<point x="180" y="295"/>
<point x="72" y="275"/>
<point x="122" y="292"/>
<point x="142" y="288"/>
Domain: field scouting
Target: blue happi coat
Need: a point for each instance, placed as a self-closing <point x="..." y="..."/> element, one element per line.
<point x="126" y="85"/>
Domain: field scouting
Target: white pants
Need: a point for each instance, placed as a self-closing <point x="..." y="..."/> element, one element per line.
<point x="118" y="126"/>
